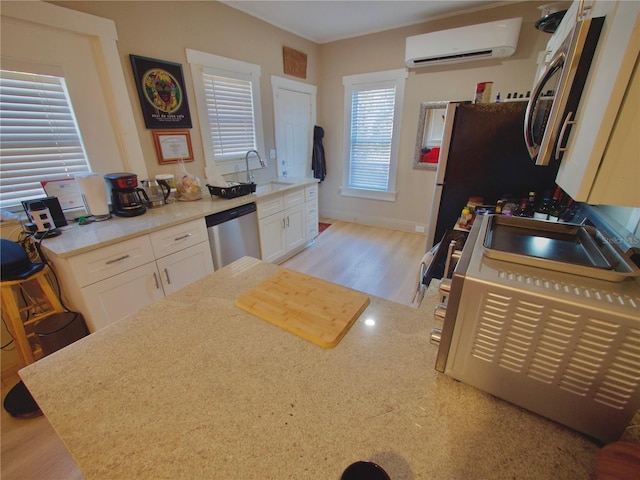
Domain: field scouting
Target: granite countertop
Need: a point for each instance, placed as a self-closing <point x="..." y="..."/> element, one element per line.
<point x="76" y="239"/>
<point x="194" y="387"/>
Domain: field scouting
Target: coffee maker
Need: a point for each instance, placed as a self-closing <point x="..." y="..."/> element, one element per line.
<point x="127" y="200"/>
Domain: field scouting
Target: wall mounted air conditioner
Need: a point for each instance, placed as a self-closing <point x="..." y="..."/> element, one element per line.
<point x="485" y="40"/>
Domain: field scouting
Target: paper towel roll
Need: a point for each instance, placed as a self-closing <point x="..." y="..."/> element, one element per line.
<point x="94" y="193"/>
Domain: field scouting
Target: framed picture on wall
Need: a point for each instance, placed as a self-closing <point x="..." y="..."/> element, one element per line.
<point x="172" y="146"/>
<point x="161" y="91"/>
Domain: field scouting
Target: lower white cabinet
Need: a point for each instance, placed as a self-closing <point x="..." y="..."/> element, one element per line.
<point x="272" y="241"/>
<point x="184" y="267"/>
<point x="311" y="214"/>
<point x="119" y="296"/>
<point x="110" y="283"/>
<point x="282" y="223"/>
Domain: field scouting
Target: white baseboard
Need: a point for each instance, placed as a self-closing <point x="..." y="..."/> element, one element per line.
<point x="374" y="221"/>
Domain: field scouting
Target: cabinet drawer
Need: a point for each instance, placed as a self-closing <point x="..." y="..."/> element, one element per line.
<point x="293" y="198"/>
<point x="173" y="239"/>
<point x="312" y="210"/>
<point x="312" y="230"/>
<point x="91" y="267"/>
<point x="311" y="192"/>
<point x="270" y="206"/>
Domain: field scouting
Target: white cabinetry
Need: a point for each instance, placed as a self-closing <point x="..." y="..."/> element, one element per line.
<point x="182" y="254"/>
<point x="596" y="168"/>
<point x="282" y="220"/>
<point x="112" y="282"/>
<point x="311" y="211"/>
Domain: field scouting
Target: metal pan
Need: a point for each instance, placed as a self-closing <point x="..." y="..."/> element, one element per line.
<point x="562" y="247"/>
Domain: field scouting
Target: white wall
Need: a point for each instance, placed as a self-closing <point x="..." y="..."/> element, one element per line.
<point x="385" y="51"/>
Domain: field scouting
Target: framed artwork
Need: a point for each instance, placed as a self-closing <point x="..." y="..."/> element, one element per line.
<point x="173" y="145"/>
<point x="295" y="62"/>
<point x="161" y="91"/>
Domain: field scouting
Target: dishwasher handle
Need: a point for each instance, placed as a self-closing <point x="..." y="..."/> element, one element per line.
<point x="221" y="217"/>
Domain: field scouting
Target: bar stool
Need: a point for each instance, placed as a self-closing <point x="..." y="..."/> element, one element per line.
<point x="26" y="302"/>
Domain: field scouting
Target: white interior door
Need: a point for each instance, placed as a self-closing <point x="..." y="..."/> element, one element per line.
<point x="295" y="116"/>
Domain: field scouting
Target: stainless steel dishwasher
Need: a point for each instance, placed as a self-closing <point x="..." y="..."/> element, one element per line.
<point x="233" y="234"/>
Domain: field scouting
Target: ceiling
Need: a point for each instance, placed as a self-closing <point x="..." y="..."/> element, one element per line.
<point x="323" y="21"/>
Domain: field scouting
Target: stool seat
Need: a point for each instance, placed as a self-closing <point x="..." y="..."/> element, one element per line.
<point x="25" y="303"/>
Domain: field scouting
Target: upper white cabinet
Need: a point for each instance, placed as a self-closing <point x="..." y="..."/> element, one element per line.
<point x="602" y="164"/>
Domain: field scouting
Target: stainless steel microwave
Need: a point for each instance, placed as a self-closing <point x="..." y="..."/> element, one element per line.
<point x="552" y="107"/>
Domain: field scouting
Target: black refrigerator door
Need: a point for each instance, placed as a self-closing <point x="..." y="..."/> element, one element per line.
<point x="488" y="158"/>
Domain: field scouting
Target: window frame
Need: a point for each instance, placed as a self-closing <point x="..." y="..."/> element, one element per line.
<point x="58" y="79"/>
<point x="373" y="81"/>
<point x="202" y="62"/>
<point x="109" y="143"/>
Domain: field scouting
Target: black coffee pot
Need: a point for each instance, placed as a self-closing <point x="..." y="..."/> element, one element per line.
<point x="127" y="200"/>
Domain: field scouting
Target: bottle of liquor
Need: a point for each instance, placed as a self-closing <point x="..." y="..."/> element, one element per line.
<point x="568" y="211"/>
<point x="556" y="206"/>
<point x="527" y="206"/>
<point x="543" y="208"/>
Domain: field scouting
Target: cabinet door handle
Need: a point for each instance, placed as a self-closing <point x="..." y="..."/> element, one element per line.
<point x="116" y="260"/>
<point x="166" y="274"/>
<point x="182" y="237"/>
<point x="287" y="221"/>
<point x="155" y="277"/>
<point x="284" y="224"/>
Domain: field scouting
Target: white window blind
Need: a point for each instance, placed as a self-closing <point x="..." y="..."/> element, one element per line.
<point x="39" y="137"/>
<point x="231" y="116"/>
<point x="371" y="136"/>
<point x="372" y="115"/>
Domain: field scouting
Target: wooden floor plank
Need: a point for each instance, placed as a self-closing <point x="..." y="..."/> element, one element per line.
<point x="377" y="261"/>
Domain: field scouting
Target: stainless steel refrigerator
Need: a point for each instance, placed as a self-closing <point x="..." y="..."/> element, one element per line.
<point x="483" y="154"/>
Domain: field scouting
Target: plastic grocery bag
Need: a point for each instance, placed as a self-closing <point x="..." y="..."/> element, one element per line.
<point x="187" y="185"/>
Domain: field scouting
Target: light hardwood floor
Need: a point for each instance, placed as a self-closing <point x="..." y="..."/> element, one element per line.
<point x="377" y="261"/>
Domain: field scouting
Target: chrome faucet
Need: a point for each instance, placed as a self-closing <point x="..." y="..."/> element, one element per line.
<point x="250" y="175"/>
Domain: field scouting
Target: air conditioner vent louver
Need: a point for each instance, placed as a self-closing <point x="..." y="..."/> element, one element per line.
<point x="452" y="58"/>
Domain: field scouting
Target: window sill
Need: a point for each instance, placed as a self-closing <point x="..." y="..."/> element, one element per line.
<point x="368" y="194"/>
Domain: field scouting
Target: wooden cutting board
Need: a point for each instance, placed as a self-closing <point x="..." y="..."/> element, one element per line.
<point x="313" y="309"/>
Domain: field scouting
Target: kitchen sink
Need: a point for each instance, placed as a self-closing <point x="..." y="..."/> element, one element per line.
<point x="272" y="187"/>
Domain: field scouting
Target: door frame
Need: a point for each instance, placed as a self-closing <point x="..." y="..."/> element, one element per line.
<point x="278" y="84"/>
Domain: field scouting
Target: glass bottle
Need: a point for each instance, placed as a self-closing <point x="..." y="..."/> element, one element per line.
<point x="543" y="208"/>
<point x="527" y="206"/>
<point x="556" y="206"/>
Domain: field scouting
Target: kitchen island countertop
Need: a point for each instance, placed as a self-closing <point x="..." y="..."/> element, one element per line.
<point x="194" y="387"/>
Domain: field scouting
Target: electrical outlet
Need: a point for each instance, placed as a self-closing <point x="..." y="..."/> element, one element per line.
<point x="272" y="154"/>
<point x="419" y="229"/>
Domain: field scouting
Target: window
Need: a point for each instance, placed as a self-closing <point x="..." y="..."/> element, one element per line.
<point x="39" y="136"/>
<point x="228" y="99"/>
<point x="373" y="109"/>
